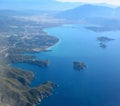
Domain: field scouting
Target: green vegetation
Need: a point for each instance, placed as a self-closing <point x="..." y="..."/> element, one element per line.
<point x="15" y="90"/>
<point x="19" y="36"/>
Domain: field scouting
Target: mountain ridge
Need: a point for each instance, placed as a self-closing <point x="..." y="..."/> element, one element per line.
<point x="89" y="11"/>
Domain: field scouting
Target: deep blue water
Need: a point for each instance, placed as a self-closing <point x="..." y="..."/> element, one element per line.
<point x="98" y="85"/>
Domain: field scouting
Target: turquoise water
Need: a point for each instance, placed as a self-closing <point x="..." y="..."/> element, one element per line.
<point x="98" y="85"/>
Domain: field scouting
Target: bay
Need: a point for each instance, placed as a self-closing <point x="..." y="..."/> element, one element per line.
<point x="98" y="85"/>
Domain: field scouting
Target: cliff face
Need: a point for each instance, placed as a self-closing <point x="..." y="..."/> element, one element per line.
<point x="15" y="90"/>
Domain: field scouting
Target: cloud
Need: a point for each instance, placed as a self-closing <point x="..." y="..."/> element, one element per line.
<point x="111" y="2"/>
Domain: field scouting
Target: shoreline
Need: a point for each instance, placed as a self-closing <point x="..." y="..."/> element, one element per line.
<point x="55" y="45"/>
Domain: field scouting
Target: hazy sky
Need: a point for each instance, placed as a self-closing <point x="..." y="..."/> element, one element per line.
<point x="36" y="4"/>
<point x="111" y="2"/>
<point x="49" y="4"/>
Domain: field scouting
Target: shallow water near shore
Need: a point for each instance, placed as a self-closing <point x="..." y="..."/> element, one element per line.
<point x="98" y="85"/>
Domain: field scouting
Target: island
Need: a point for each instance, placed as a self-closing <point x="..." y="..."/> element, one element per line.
<point x="103" y="41"/>
<point x="78" y="65"/>
<point x="103" y="45"/>
<point x="102" y="28"/>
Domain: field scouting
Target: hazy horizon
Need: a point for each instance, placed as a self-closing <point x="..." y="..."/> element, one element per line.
<point x="44" y="5"/>
<point x="36" y="5"/>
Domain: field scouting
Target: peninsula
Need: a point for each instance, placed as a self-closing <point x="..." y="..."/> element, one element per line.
<point x="17" y="37"/>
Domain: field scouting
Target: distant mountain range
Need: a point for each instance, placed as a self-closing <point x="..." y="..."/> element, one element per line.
<point x="87" y="14"/>
<point x="90" y="11"/>
<point x="104" y="16"/>
<point x="83" y="11"/>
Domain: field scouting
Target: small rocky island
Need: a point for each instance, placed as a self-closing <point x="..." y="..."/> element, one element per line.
<point x="103" y="41"/>
<point x="77" y="65"/>
<point x="102" y="45"/>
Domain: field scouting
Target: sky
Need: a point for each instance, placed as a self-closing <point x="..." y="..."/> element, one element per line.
<point x="49" y="4"/>
<point x="111" y="2"/>
<point x="36" y="4"/>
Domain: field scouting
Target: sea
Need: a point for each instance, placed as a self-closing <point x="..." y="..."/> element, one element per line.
<point x="97" y="85"/>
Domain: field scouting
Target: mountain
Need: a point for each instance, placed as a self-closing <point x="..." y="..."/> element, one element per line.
<point x="88" y="11"/>
<point x="93" y="14"/>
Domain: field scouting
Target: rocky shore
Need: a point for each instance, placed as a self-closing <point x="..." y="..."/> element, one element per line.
<point x="15" y="89"/>
<point x="19" y="36"/>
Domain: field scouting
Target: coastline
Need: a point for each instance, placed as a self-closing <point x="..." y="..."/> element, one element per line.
<point x="39" y="92"/>
<point x="55" y="45"/>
